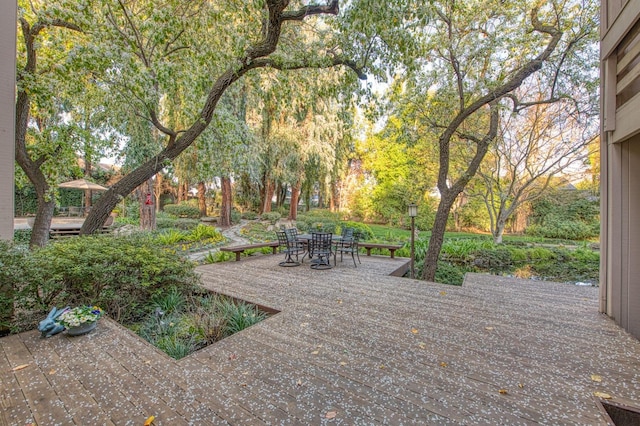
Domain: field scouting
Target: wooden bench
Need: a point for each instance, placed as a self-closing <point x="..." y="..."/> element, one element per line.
<point x="391" y="247"/>
<point x="238" y="250"/>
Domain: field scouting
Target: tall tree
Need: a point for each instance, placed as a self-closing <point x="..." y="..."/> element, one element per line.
<point x="530" y="150"/>
<point x="161" y="42"/>
<point x="45" y="144"/>
<point x="465" y="59"/>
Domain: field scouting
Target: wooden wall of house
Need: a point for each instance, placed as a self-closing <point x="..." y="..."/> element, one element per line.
<point x="620" y="163"/>
<point x="8" y="16"/>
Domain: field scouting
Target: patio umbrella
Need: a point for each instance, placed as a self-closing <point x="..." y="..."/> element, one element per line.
<point x="83" y="185"/>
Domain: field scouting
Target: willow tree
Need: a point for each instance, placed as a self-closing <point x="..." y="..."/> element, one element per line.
<point x="214" y="45"/>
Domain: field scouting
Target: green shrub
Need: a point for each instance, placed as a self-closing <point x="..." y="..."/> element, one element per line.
<point x="448" y="273"/>
<point x="22" y="236"/>
<point x="272" y="217"/>
<point x="171" y="223"/>
<point x="218" y="256"/>
<point x="171" y="237"/>
<point x="236" y="216"/>
<point x="169" y="302"/>
<point x="249" y="215"/>
<point x="362" y="228"/>
<point x="205" y="232"/>
<point x="119" y="274"/>
<point x="182" y="210"/>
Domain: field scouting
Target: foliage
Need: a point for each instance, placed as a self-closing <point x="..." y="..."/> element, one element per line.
<point x="272" y="217"/>
<point x="119" y="274"/>
<point x="250" y="215"/>
<point x="22" y="236"/>
<point x="362" y="228"/>
<point x="182" y="210"/>
<point x="549" y="262"/>
<point x="180" y="328"/>
<point x="218" y="256"/>
<point x="566" y="214"/>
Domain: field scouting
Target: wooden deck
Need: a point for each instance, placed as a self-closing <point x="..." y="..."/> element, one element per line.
<point x="350" y="346"/>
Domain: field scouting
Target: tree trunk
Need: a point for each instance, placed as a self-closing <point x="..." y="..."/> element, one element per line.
<point x="157" y="190"/>
<point x="500" y="225"/>
<point x="225" y="206"/>
<point x="42" y="223"/>
<point x="436" y="239"/>
<point x="269" y="189"/>
<point x="88" y="192"/>
<point x="202" y="201"/>
<point x="147" y="208"/>
<point x="295" y="197"/>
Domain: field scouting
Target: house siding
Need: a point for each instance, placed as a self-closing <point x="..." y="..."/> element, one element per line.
<point x="620" y="163"/>
<point x="8" y="13"/>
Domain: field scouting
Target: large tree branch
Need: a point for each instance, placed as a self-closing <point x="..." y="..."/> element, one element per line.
<point x="298" y="15"/>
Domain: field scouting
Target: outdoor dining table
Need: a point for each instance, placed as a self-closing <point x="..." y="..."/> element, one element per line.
<point x="306" y="240"/>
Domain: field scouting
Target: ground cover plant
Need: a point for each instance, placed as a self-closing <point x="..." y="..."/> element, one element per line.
<point x="182" y="323"/>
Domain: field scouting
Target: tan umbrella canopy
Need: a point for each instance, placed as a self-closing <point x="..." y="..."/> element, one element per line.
<point x="82" y="184"/>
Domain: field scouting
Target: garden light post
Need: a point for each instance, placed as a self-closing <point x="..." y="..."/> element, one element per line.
<point x="413" y="212"/>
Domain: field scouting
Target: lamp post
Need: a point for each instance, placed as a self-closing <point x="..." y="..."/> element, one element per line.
<point x="413" y="212"/>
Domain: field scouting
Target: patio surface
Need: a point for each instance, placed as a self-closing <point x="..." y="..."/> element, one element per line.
<point x="350" y="346"/>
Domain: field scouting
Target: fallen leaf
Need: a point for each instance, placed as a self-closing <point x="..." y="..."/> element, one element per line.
<point x="343" y="363"/>
<point x="443" y="364"/>
<point x="443" y="293"/>
<point x="414" y="330"/>
<point x="339" y="301"/>
<point x="149" y="420"/>
<point x="422" y="345"/>
<point x="299" y="383"/>
<point x="315" y="352"/>
<point x="331" y="415"/>
<point x="596" y="378"/>
<point x="521" y="385"/>
<point x="20" y="367"/>
<point x="488" y="328"/>
<point x="503" y="392"/>
<point x="602" y="395"/>
<point x="381" y="367"/>
<point x="52" y="372"/>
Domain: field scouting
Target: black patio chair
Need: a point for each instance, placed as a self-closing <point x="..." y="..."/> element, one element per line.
<point x="348" y="244"/>
<point x="320" y="250"/>
<point x="289" y="248"/>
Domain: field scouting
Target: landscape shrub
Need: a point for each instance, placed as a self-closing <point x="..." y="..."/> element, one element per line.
<point x="119" y="274"/>
<point x="250" y="215"/>
<point x="22" y="236"/>
<point x="272" y="217"/>
<point x="556" y="227"/>
<point x="365" y="231"/>
<point x="182" y="210"/>
<point x="236" y="216"/>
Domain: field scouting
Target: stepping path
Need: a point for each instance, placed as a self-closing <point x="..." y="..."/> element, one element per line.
<point x="232" y="234"/>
